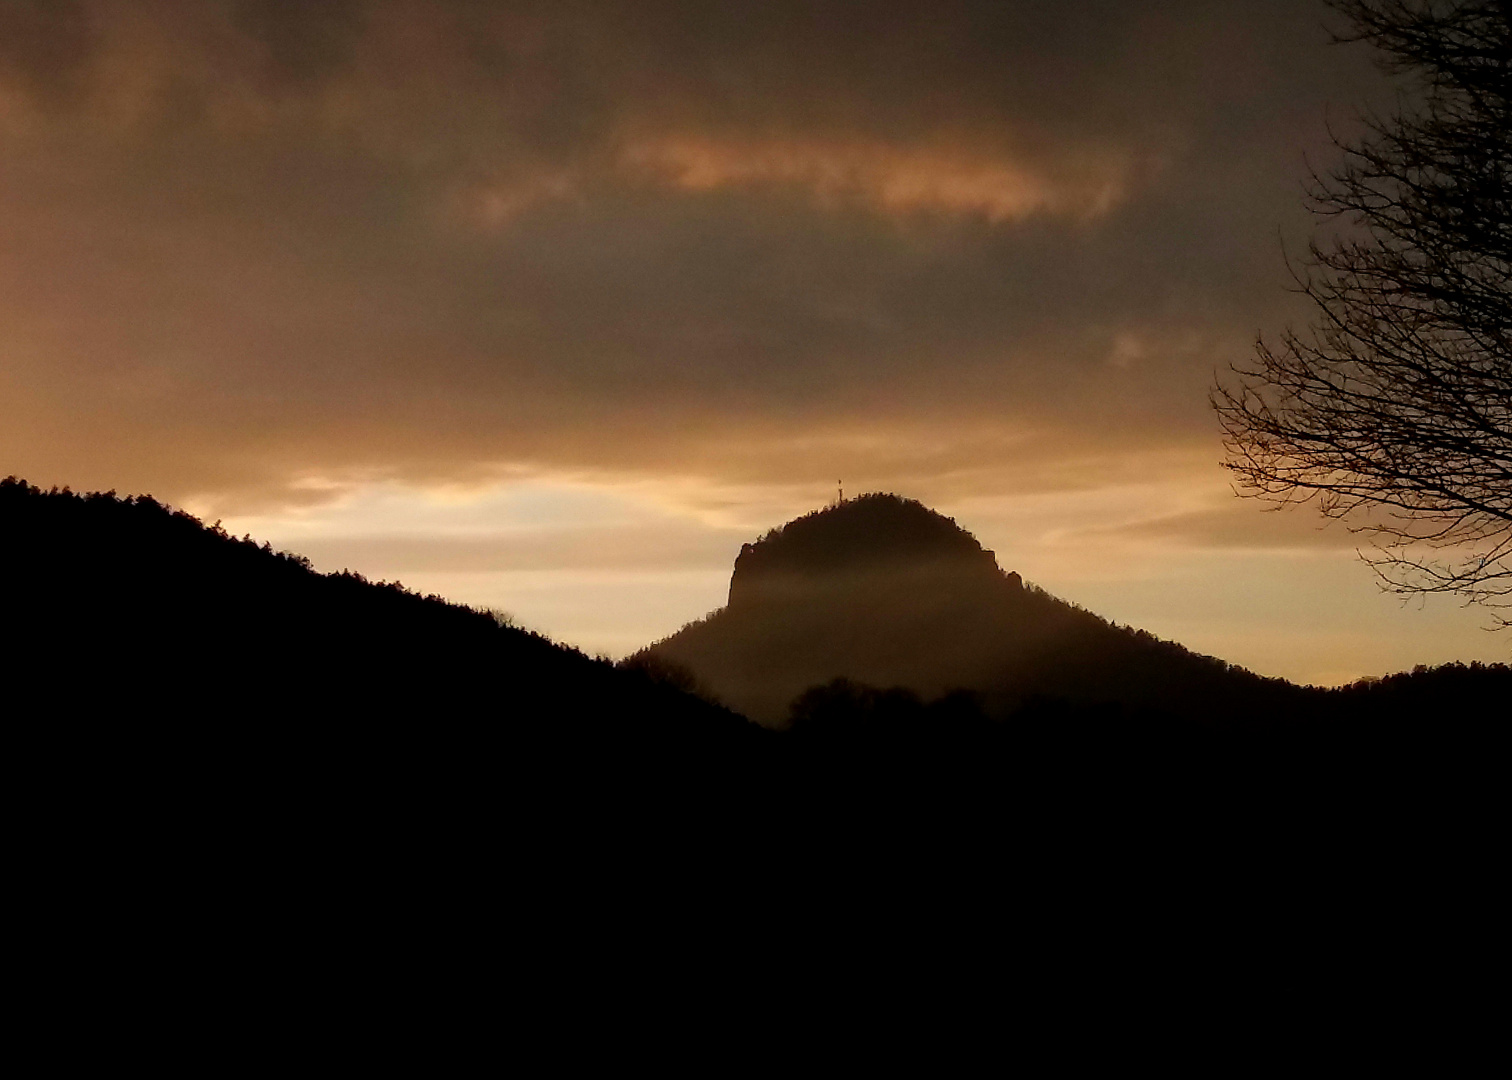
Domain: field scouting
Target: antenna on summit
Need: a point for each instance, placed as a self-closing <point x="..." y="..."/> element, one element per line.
<point x="840" y="484"/>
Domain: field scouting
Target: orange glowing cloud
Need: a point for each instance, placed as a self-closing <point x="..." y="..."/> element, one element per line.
<point x="890" y="177"/>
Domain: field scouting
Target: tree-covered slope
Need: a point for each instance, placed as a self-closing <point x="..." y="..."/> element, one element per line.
<point x="123" y="608"/>
<point x="886" y="592"/>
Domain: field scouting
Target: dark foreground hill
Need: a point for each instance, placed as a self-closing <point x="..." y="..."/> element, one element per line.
<point x="143" y="632"/>
<point x="127" y="603"/>
<point x="147" y="634"/>
<point x="225" y="769"/>
<point x="885" y="592"/>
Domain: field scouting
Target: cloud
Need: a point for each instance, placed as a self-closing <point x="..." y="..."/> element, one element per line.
<point x="245" y="244"/>
<point x="891" y="179"/>
<point x="1234" y="525"/>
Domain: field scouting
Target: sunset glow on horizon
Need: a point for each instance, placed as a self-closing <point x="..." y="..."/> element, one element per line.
<point x="550" y="307"/>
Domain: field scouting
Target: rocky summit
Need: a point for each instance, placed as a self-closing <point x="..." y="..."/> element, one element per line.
<point x="867" y="536"/>
<point x="884" y="591"/>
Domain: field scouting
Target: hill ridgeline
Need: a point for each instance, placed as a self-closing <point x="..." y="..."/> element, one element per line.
<point x="884" y="591"/>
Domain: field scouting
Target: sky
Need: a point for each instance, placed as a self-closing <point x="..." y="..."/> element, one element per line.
<point x="549" y="307"/>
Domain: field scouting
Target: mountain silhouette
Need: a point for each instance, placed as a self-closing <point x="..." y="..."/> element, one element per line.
<point x="222" y="760"/>
<point x="883" y="591"/>
<point x="209" y="741"/>
<point x="134" y="621"/>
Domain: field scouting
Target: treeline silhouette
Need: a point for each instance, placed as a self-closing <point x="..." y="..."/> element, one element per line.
<point x="122" y="600"/>
<point x="141" y="625"/>
<point x="316" y="759"/>
<point x="162" y="664"/>
<point x="142" y="635"/>
<point x="1448" y="708"/>
<point x="1357" y="810"/>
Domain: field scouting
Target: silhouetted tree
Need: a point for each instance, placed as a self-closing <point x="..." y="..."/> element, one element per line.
<point x="1399" y="398"/>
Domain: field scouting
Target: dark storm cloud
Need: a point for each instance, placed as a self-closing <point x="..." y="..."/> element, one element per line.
<point x="44" y="44"/>
<point x="302" y="41"/>
<point x="244" y="242"/>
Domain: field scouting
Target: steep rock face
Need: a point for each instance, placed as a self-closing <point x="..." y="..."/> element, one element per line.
<point x="876" y="534"/>
<point x="872" y="536"/>
<point x="884" y="591"/>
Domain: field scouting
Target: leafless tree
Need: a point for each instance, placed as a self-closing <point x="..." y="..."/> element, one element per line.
<point x="1397" y="401"/>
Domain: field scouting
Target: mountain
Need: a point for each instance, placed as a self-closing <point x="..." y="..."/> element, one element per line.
<point x="231" y="773"/>
<point x="221" y="759"/>
<point x="883" y="591"/>
<point x="139" y="627"/>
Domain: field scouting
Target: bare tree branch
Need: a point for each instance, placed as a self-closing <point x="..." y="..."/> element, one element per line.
<point x="1398" y="399"/>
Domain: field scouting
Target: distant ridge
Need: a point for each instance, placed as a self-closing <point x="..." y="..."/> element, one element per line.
<point x="211" y="743"/>
<point x="125" y="600"/>
<point x="882" y="590"/>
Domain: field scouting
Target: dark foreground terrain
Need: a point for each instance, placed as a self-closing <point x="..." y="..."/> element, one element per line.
<point x="141" y="635"/>
<point x="207" y="741"/>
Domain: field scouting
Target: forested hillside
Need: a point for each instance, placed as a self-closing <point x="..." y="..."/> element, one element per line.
<point x="152" y="654"/>
<point x="883" y="591"/>
<point x="126" y="614"/>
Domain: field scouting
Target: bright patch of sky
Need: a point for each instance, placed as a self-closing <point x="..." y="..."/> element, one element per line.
<point x="610" y="567"/>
